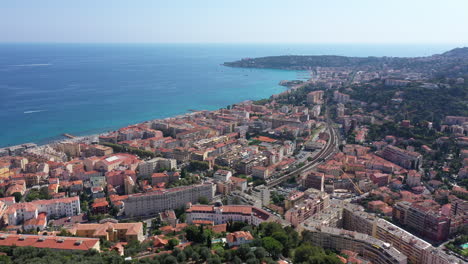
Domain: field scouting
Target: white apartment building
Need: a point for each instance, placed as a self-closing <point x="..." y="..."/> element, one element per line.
<point x="228" y="213"/>
<point x="55" y="208"/>
<point x="158" y="201"/>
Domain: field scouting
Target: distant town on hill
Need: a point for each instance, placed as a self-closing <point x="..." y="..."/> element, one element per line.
<point x="453" y="62"/>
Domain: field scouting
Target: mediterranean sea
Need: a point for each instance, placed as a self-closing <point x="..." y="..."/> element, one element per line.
<point x="50" y="89"/>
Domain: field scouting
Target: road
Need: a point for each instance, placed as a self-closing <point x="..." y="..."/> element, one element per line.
<point x="330" y="148"/>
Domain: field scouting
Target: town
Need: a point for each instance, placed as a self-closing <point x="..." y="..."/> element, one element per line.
<point x="355" y="165"/>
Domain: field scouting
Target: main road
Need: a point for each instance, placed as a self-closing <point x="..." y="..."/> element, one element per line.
<point x="324" y="154"/>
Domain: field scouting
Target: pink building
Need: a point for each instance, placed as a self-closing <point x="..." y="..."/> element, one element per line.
<point x="117" y="178"/>
<point x="381" y="179"/>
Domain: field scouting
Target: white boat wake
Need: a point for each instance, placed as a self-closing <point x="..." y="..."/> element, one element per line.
<point x="33" y="111"/>
<point x="32" y="65"/>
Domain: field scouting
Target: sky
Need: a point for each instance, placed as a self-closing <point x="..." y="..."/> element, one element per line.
<point x="235" y="21"/>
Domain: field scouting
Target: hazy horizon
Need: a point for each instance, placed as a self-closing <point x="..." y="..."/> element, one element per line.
<point x="250" y="22"/>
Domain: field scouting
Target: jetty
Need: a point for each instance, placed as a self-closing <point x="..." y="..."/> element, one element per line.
<point x="68" y="135"/>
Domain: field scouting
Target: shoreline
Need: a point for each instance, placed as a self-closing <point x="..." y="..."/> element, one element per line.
<point x="89" y="138"/>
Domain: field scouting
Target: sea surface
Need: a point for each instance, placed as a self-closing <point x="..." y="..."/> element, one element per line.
<point x="50" y="89"/>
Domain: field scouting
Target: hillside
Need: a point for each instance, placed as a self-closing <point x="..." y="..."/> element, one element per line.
<point x="453" y="62"/>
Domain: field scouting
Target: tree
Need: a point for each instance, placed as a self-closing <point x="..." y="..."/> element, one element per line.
<point x="172" y="243"/>
<point x="203" y="200"/>
<point x="195" y="256"/>
<point x="235" y="226"/>
<point x="251" y="261"/>
<point x="181" y="257"/>
<point x="183" y="173"/>
<point x="268" y="228"/>
<point x="236" y="260"/>
<point x="17" y="196"/>
<point x="196" y="165"/>
<point x="228" y="255"/>
<point x="250" y="255"/>
<point x="84" y="206"/>
<point x="214" y="260"/>
<point x="170" y="260"/>
<point x="145" y="227"/>
<point x="283" y="238"/>
<point x="5" y="259"/>
<point x="208" y="240"/>
<point x="64" y="232"/>
<point x="243" y="250"/>
<point x="272" y="246"/>
<point x="193" y="233"/>
<point x="311" y="254"/>
<point x="260" y="252"/>
<point x="205" y="253"/>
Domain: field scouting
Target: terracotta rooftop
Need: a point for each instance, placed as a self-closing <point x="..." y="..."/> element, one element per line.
<point x="101" y="229"/>
<point x="233" y="237"/>
<point x="53" y="242"/>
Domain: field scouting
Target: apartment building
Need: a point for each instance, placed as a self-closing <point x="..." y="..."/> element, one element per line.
<point x="314" y="180"/>
<point x="315" y="97"/>
<point x="151" y="203"/>
<point x="417" y="250"/>
<point x="340" y="97"/>
<point x="370" y="248"/>
<point x="146" y="168"/>
<point x="314" y="203"/>
<point x="55" y="208"/>
<point x="222" y="175"/>
<point x="405" y="158"/>
<point x="424" y="219"/>
<point x="228" y="213"/>
<point x="110" y="231"/>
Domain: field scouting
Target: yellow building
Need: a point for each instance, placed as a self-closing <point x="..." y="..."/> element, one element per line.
<point x="110" y="231"/>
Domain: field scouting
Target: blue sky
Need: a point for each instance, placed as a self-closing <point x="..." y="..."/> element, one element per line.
<point x="235" y="21"/>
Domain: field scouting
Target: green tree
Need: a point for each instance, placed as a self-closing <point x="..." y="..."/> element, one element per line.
<point x="272" y="246"/>
<point x="260" y="253"/>
<point x="194" y="233"/>
<point x="205" y="253"/>
<point x="208" y="240"/>
<point x="170" y="260"/>
<point x="214" y="260"/>
<point x="181" y="257"/>
<point x="236" y="260"/>
<point x="243" y="250"/>
<point x="17" y="196"/>
<point x="196" y="165"/>
<point x="195" y="256"/>
<point x="283" y="238"/>
<point x="172" y="243"/>
<point x="203" y="200"/>
<point x="5" y="259"/>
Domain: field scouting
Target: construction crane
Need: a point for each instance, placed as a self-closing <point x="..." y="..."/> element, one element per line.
<point x="356" y="187"/>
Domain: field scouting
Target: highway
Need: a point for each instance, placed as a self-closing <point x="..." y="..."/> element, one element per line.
<point x="330" y="148"/>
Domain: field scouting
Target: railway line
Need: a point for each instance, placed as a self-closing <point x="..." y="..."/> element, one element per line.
<point x="330" y="148"/>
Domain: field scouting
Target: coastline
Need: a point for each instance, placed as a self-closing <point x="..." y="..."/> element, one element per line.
<point x="91" y="138"/>
<point x="86" y="90"/>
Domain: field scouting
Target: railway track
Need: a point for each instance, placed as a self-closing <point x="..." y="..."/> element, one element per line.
<point x="324" y="154"/>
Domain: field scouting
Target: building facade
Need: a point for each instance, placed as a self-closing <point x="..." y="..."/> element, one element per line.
<point x="158" y="201"/>
<point x="229" y="213"/>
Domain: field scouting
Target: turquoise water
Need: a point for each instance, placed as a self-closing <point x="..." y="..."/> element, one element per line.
<point x="50" y="89"/>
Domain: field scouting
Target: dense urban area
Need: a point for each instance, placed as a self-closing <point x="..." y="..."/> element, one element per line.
<point x="364" y="162"/>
